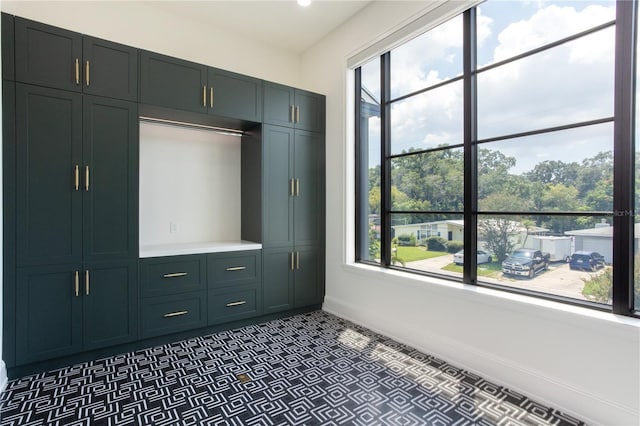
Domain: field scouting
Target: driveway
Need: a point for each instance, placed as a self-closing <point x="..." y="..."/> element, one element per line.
<point x="558" y="280"/>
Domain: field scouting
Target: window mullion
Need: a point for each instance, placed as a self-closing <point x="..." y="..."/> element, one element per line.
<point x="623" y="158"/>
<point x="470" y="138"/>
<point x="385" y="161"/>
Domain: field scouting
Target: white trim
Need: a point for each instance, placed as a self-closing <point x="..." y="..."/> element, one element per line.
<point x="539" y="386"/>
<point x="3" y="376"/>
<point x="430" y="17"/>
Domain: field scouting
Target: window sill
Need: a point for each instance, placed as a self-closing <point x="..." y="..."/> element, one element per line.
<point x="520" y="304"/>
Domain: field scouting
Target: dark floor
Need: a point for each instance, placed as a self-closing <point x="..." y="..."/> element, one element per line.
<point x="312" y="369"/>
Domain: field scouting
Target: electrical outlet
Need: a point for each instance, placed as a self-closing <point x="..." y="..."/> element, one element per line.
<point x="173" y="227"/>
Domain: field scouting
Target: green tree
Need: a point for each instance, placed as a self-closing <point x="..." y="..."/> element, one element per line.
<point x="497" y="233"/>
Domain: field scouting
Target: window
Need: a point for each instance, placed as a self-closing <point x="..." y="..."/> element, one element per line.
<point x="498" y="133"/>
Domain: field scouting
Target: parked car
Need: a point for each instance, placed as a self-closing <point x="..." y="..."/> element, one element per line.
<point x="591" y="260"/>
<point x="483" y="257"/>
<point x="525" y="262"/>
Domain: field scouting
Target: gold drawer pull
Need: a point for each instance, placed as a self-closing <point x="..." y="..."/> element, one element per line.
<point x="236" y="268"/>
<point x="232" y="304"/>
<point x="175" y="314"/>
<point x="175" y="274"/>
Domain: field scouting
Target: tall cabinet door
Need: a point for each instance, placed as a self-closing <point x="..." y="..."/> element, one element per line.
<point x="278" y="186"/>
<point x="308" y="201"/>
<point x="48" y="56"/>
<point x="48" y="313"/>
<point x="49" y="204"/>
<point x="110" y="179"/>
<point x="109" y="293"/>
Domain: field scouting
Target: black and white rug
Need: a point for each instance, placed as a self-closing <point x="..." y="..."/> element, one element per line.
<point x="311" y="369"/>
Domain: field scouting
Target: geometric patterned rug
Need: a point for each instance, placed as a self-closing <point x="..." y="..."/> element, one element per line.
<point x="309" y="369"/>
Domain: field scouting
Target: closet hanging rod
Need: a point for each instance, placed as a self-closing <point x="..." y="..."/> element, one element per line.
<point x="221" y="130"/>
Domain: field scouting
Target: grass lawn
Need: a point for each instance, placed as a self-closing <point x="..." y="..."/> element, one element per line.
<point x="484" y="270"/>
<point x="411" y="254"/>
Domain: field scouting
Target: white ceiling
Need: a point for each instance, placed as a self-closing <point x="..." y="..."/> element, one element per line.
<point x="281" y="24"/>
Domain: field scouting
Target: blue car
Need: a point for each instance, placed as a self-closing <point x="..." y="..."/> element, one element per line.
<point x="587" y="260"/>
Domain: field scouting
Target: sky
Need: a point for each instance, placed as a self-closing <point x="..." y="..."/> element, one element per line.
<point x="567" y="84"/>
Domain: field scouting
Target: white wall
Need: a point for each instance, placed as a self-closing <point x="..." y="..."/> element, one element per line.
<point x="189" y="178"/>
<point x="581" y="361"/>
<point x="139" y="24"/>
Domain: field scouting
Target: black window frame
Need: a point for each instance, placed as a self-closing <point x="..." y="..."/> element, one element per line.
<point x="623" y="120"/>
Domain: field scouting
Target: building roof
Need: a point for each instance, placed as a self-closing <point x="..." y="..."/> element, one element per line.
<point x="601" y="232"/>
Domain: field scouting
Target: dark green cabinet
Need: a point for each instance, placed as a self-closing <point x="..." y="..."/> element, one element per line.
<point x="235" y="285"/>
<point x="110" y="304"/>
<point x="48" y="56"/>
<point x="77" y="225"/>
<point x="292" y="278"/>
<point x="59" y="171"/>
<point x="48" y="313"/>
<point x="49" y="147"/>
<point x="109" y="69"/>
<point x="293" y="218"/>
<point x="64" y="309"/>
<point x="178" y="84"/>
<point x="173" y="83"/>
<point x="8" y="47"/>
<point x="293" y="182"/>
<point x="286" y="106"/>
<point x="53" y="57"/>
<point x="110" y="179"/>
<point x="234" y="95"/>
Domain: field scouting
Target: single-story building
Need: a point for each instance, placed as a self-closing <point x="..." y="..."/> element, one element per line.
<point x="600" y="239"/>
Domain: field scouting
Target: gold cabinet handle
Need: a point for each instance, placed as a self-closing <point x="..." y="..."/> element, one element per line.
<point x="77" y="177"/>
<point x="175" y="275"/>
<point x="77" y="283"/>
<point x="236" y="268"/>
<point x="291" y="260"/>
<point x="86" y="73"/>
<point x="86" y="282"/>
<point x="291" y="187"/>
<point x="204" y="96"/>
<point x="175" y="314"/>
<point x="297" y="187"/>
<point x="211" y="97"/>
<point x="297" y="260"/>
<point x="86" y="178"/>
<point x="297" y="114"/>
<point x="77" y="71"/>
<point x="232" y="304"/>
<point x="291" y="114"/>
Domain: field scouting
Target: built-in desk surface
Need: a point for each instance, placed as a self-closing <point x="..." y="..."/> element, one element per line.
<point x="196" y="248"/>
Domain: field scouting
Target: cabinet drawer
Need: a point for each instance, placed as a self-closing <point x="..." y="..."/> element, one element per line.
<point x="171" y="275"/>
<point x="235" y="305"/>
<point x="169" y="314"/>
<point x="235" y="269"/>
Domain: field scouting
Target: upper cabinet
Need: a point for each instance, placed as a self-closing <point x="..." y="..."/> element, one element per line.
<point x="172" y="83"/>
<point x="286" y="106"/>
<point x="61" y="59"/>
<point x="110" y="69"/>
<point x="235" y="95"/>
<point x="178" y="84"/>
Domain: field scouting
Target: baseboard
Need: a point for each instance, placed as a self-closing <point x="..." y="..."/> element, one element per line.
<point x="3" y="376"/>
<point x="592" y="409"/>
